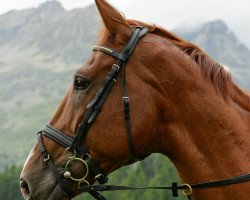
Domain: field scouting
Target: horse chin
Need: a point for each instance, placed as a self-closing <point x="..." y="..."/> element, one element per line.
<point x="58" y="194"/>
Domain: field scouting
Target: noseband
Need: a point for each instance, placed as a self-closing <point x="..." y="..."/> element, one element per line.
<point x="76" y="153"/>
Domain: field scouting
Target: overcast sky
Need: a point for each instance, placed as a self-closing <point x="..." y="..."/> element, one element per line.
<point x="168" y="13"/>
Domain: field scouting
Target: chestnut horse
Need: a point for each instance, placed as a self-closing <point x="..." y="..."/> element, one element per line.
<point x="183" y="105"/>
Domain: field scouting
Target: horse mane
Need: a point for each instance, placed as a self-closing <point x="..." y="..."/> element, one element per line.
<point x="212" y="71"/>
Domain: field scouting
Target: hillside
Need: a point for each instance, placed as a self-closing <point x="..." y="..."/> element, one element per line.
<point x="47" y="34"/>
<point x="39" y="51"/>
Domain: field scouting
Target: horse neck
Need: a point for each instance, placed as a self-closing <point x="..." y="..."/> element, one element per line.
<point x="209" y="140"/>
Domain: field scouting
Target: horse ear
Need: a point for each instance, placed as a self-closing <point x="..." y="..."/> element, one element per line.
<point x="113" y="20"/>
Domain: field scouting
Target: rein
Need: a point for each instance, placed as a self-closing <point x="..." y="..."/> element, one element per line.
<point x="77" y="153"/>
<point x="187" y="189"/>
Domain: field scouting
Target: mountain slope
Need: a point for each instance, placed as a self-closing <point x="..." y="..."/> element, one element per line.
<point x="222" y="45"/>
<point x="39" y="51"/>
<point x="47" y="34"/>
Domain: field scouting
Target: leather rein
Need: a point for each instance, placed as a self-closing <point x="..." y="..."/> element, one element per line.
<point x="75" y="152"/>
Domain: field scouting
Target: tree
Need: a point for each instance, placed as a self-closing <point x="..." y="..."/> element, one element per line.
<point x="9" y="183"/>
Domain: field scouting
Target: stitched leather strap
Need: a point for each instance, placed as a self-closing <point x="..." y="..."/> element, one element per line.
<point x="47" y="160"/>
<point x="230" y="181"/>
<point x="61" y="138"/>
<point x="66" y="141"/>
<point x="121" y="56"/>
<point x="95" y="105"/>
<point x="56" y="135"/>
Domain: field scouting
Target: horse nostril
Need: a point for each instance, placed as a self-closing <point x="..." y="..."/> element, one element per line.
<point x="24" y="188"/>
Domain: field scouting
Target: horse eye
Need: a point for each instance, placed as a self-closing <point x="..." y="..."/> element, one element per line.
<point x="81" y="83"/>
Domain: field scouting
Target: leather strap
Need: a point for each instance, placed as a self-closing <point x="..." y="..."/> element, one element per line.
<point x="121" y="56"/>
<point x="47" y="160"/>
<point x="174" y="187"/>
<point x="97" y="195"/>
<point x="128" y="50"/>
<point x="230" y="181"/>
<point x="61" y="138"/>
<point x="95" y="105"/>
<point x="55" y="135"/>
<point x="66" y="141"/>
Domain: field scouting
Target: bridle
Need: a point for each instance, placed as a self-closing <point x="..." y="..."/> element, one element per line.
<point x="75" y="152"/>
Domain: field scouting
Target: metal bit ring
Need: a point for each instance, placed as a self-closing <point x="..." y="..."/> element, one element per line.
<point x="84" y="164"/>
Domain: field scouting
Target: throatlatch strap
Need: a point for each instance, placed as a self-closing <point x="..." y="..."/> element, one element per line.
<point x="125" y="99"/>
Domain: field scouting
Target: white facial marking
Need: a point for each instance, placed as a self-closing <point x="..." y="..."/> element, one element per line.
<point x="29" y="157"/>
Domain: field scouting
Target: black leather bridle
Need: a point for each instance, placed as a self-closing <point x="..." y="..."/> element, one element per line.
<point x="75" y="152"/>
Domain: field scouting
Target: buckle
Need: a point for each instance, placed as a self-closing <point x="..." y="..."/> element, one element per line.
<point x="116" y="66"/>
<point x="98" y="176"/>
<point x="101" y="178"/>
<point x="140" y="27"/>
<point x="46" y="158"/>
<point x="126" y="99"/>
<point x="187" y="192"/>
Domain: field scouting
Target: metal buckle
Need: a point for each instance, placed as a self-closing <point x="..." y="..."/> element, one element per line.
<point x="125" y="99"/>
<point x="47" y="158"/>
<point x="88" y="155"/>
<point x="98" y="176"/>
<point x="116" y="66"/>
<point x="189" y="191"/>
